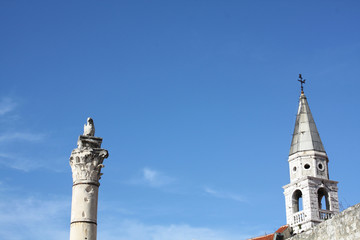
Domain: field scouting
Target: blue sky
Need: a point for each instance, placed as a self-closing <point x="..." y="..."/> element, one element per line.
<point x="195" y="102"/>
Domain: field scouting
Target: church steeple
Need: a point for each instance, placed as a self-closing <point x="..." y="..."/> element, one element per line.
<point x="311" y="197"/>
<point x="306" y="136"/>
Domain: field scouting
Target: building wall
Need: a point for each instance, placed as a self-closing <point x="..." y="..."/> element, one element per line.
<point x="343" y="226"/>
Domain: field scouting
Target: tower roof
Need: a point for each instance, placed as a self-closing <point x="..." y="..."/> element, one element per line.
<point x="306" y="135"/>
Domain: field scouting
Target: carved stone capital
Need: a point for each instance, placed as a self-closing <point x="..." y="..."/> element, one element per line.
<point x="86" y="160"/>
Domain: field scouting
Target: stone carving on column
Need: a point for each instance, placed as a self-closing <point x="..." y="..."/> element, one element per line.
<point x="87" y="159"/>
<point x="89" y="128"/>
<point x="86" y="162"/>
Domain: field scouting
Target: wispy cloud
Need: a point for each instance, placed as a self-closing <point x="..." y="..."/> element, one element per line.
<point x="155" y="178"/>
<point x="19" y="163"/>
<point x="39" y="219"/>
<point x="135" y="230"/>
<point x="29" y="163"/>
<point x="150" y="175"/>
<point x="31" y="218"/>
<point x="7" y="105"/>
<point x="22" y="136"/>
<point x="8" y="139"/>
<point x="152" y="178"/>
<point x="225" y="195"/>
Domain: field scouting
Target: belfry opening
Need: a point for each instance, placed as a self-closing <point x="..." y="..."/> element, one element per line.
<point x="323" y="199"/>
<point x="297" y="201"/>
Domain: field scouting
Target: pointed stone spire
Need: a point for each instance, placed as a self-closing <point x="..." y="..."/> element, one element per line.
<point x="306" y="135"/>
<point x="309" y="175"/>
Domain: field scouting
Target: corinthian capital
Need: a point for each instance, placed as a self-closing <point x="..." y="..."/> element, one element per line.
<point x="87" y="159"/>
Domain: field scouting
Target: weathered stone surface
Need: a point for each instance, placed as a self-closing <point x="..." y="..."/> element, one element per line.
<point x="89" y="128"/>
<point x="343" y="226"/>
<point x="86" y="162"/>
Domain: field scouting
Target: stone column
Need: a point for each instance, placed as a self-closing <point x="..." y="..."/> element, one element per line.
<point x="86" y="163"/>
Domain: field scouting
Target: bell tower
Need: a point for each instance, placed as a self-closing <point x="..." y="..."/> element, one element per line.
<point x="310" y="197"/>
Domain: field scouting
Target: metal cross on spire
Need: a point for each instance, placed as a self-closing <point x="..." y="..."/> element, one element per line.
<point x="302" y="81"/>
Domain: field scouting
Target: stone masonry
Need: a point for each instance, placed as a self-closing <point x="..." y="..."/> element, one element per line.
<point x="310" y="197"/>
<point x="86" y="163"/>
<point x="343" y="226"/>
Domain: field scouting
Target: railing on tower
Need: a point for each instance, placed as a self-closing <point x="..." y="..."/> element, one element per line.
<point x="299" y="217"/>
<point x="325" y="214"/>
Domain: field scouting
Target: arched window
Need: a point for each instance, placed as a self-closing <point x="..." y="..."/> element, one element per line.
<point x="323" y="199"/>
<point x="297" y="201"/>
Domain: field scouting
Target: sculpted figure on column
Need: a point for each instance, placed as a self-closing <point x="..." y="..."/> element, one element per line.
<point x="86" y="162"/>
<point x="89" y="128"/>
